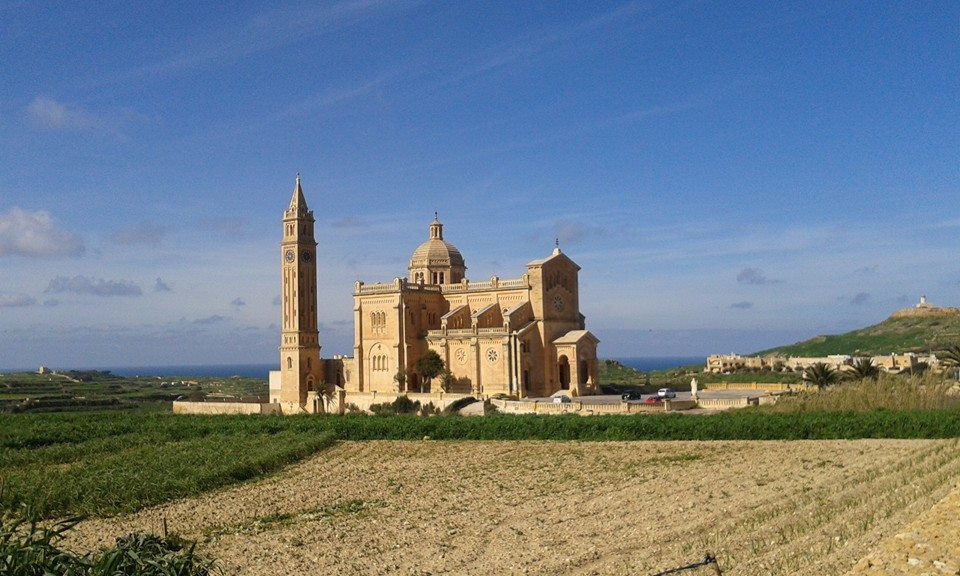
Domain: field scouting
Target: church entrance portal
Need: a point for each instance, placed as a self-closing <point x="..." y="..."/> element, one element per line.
<point x="563" y="371"/>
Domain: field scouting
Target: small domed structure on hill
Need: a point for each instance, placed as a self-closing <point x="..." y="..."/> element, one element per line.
<point x="924" y="309"/>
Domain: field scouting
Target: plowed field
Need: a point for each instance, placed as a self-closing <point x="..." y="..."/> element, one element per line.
<point x="763" y="508"/>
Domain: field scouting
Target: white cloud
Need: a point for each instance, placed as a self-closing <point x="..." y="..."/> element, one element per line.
<point x="860" y="298"/>
<point x="15" y="300"/>
<point x="268" y="30"/>
<point x="34" y="234"/>
<point x="50" y="114"/>
<point x="145" y="233"/>
<point x="569" y="230"/>
<point x="754" y="276"/>
<point x="92" y="286"/>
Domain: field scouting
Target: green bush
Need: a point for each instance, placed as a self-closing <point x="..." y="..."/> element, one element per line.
<point x="28" y="549"/>
<point x="456" y="405"/>
<point x="402" y="405"/>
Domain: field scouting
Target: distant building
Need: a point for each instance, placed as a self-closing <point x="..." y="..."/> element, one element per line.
<point x="892" y="363"/>
<point x="923" y="309"/>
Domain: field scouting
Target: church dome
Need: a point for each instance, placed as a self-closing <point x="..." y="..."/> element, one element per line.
<point x="436" y="252"/>
<point x="437" y="255"/>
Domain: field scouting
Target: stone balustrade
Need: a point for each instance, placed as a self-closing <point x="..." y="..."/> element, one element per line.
<point x="587" y="408"/>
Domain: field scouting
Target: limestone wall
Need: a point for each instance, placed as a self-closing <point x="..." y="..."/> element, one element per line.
<point x="363" y="400"/>
<point x="723" y="403"/>
<point x="760" y="386"/>
<point x="588" y="408"/>
<point x="180" y="407"/>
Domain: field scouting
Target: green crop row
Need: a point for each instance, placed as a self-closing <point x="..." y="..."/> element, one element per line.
<point x="109" y="463"/>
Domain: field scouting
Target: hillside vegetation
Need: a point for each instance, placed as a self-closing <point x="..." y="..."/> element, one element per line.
<point x="917" y="334"/>
<point x="91" y="390"/>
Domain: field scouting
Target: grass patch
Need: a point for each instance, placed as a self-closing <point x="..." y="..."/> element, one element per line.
<point x="27" y="548"/>
<point x="110" y="463"/>
<point x="908" y="334"/>
<point x="888" y="392"/>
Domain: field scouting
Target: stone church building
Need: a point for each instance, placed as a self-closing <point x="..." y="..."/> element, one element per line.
<point x="522" y="336"/>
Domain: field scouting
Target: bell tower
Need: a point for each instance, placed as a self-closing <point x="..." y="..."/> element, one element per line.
<point x="300" y="368"/>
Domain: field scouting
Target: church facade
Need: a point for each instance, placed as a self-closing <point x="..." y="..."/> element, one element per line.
<point x="522" y="336"/>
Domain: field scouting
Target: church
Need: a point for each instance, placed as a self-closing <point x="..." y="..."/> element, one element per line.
<point x="523" y="336"/>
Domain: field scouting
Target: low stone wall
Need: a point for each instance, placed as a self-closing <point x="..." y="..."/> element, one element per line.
<point x="180" y="407"/>
<point x="723" y="403"/>
<point x="587" y="408"/>
<point x="363" y="400"/>
<point x="759" y="386"/>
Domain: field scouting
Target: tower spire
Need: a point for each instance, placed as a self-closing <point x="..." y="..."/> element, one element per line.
<point x="298" y="203"/>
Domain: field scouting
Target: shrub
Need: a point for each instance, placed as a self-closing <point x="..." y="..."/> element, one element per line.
<point x="26" y="549"/>
<point x="887" y="392"/>
<point x="456" y="405"/>
<point x="429" y="409"/>
<point x="402" y="405"/>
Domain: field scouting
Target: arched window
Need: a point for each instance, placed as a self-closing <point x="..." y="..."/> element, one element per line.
<point x="289" y="362"/>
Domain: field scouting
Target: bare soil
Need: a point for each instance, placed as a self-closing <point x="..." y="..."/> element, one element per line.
<point x="763" y="508"/>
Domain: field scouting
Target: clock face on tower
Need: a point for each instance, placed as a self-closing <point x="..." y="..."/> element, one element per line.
<point x="306" y="256"/>
<point x="290" y="256"/>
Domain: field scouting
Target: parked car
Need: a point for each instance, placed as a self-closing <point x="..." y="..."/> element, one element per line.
<point x="653" y="400"/>
<point x="631" y="395"/>
<point x="561" y="399"/>
<point x="666" y="393"/>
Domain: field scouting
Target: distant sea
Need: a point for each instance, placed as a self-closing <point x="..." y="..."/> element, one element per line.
<point x="213" y="371"/>
<point x="645" y="364"/>
<point x="651" y="363"/>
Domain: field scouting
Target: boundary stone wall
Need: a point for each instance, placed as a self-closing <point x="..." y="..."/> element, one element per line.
<point x="363" y="400"/>
<point x="587" y="408"/>
<point x="180" y="407"/>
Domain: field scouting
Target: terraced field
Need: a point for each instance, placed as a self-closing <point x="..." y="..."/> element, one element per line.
<point x="401" y="507"/>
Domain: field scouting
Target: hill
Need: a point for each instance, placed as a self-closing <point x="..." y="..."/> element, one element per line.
<point x="899" y="333"/>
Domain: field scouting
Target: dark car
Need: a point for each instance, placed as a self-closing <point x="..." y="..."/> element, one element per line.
<point x="631" y="395"/>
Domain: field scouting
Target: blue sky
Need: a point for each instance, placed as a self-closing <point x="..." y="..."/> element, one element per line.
<point x="731" y="176"/>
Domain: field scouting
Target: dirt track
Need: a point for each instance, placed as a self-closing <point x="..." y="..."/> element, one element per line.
<point x="763" y="508"/>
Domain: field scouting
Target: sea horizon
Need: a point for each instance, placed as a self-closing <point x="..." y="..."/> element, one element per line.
<point x="262" y="370"/>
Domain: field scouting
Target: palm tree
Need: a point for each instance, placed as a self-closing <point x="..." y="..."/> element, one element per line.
<point x="820" y="375"/>
<point x="950" y="357"/>
<point x="863" y="369"/>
